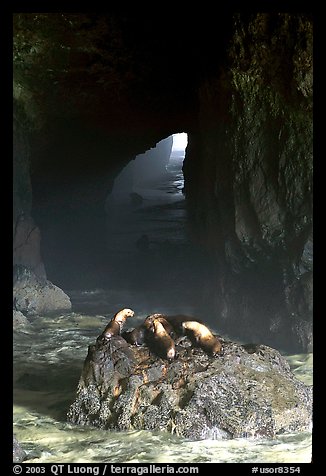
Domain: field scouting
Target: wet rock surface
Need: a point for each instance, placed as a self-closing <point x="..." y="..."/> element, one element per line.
<point x="34" y="295"/>
<point x="245" y="391"/>
<point x="18" y="454"/>
<point x="19" y="320"/>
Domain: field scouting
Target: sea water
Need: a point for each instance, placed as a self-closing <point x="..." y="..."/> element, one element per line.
<point x="48" y="360"/>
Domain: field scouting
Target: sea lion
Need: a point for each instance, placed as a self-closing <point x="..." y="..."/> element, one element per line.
<point x="114" y="327"/>
<point x="201" y="336"/>
<point x="176" y="321"/>
<point x="159" y="340"/>
<point x="162" y="318"/>
<point x="136" y="336"/>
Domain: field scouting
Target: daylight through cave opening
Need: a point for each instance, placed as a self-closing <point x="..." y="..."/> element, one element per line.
<point x="147" y="225"/>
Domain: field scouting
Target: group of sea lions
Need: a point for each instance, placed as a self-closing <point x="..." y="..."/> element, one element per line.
<point x="159" y="331"/>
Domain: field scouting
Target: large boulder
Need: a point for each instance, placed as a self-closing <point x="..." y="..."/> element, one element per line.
<point x="36" y="295"/>
<point x="245" y="391"/>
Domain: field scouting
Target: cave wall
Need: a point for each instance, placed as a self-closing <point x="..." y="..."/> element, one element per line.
<point x="93" y="91"/>
<point x="248" y="175"/>
<point x="26" y="235"/>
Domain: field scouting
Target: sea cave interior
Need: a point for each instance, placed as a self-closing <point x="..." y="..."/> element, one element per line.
<point x="168" y="165"/>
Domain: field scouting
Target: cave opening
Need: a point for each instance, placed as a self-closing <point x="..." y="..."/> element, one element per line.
<point x="148" y="244"/>
<point x="136" y="240"/>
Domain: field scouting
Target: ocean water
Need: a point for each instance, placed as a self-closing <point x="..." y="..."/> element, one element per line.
<point x="48" y="360"/>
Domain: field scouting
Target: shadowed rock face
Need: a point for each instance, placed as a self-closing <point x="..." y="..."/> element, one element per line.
<point x="248" y="181"/>
<point x="248" y="390"/>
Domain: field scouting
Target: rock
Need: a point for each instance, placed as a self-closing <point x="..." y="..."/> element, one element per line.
<point x="143" y="243"/>
<point x="26" y="245"/>
<point x="135" y="198"/>
<point x="26" y="235"/>
<point x="300" y="305"/>
<point x="18" y="454"/>
<point x="36" y="295"/>
<point x="19" y="320"/>
<point x="249" y="189"/>
<point x="246" y="391"/>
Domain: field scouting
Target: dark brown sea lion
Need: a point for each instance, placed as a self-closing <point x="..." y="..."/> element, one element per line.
<point x="201" y="336"/>
<point x="136" y="336"/>
<point x="177" y="320"/>
<point x="114" y="327"/>
<point x="158" y="339"/>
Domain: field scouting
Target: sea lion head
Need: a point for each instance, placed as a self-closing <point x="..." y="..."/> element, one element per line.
<point x="128" y="312"/>
<point x="214" y="347"/>
<point x="122" y="315"/>
<point x="148" y="323"/>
